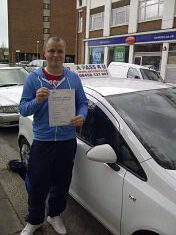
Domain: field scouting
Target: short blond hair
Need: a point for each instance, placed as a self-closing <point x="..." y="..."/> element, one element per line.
<point x="54" y="38"/>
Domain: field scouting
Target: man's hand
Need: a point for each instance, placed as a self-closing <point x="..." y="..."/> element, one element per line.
<point x="42" y="94"/>
<point x="76" y="121"/>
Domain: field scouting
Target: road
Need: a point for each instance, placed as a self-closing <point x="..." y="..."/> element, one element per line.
<point x="77" y="220"/>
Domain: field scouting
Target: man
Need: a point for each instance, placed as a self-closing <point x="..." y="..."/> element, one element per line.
<point x="53" y="148"/>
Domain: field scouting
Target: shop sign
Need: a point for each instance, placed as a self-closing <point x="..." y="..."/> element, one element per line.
<point x="138" y="38"/>
<point x="119" y="54"/>
<point x="96" y="55"/>
<point x="130" y="40"/>
<point x="92" y="70"/>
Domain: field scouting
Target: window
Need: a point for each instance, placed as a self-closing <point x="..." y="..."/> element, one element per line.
<point x="151" y="115"/>
<point x="97" y="21"/>
<point x="120" y="15"/>
<point x="149" y="9"/>
<point x="46" y="6"/>
<point x="46" y="18"/>
<point x="96" y="55"/>
<point x="46" y="30"/>
<point x="98" y="129"/>
<point x="172" y="54"/>
<point x="133" y="73"/>
<point x="80" y="23"/>
<point x="117" y="54"/>
<point x="80" y="3"/>
<point x="148" y="74"/>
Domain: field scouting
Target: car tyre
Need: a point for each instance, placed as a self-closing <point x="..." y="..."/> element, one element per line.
<point x="24" y="151"/>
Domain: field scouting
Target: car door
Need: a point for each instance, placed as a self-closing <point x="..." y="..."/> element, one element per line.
<point x="98" y="186"/>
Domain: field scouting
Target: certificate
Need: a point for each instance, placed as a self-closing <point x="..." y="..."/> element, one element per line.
<point x="61" y="106"/>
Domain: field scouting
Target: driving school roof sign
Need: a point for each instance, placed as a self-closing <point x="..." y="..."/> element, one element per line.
<point x="92" y="70"/>
<point x="138" y="38"/>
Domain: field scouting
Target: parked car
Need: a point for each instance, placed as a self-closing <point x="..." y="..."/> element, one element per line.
<point x="133" y="71"/>
<point x="125" y="165"/>
<point x="151" y="66"/>
<point x="35" y="64"/>
<point x="11" y="85"/>
<point x="22" y="63"/>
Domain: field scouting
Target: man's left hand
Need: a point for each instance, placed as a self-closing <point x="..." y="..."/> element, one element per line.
<point x="76" y="121"/>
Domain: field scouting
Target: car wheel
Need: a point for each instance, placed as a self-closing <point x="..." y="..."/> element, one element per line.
<point x="24" y="151"/>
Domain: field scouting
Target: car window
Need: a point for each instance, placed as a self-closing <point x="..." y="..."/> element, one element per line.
<point x="38" y="63"/>
<point x="32" y="63"/>
<point x="133" y="73"/>
<point x="151" y="115"/>
<point x="98" y="129"/>
<point x="150" y="75"/>
<point x="12" y="76"/>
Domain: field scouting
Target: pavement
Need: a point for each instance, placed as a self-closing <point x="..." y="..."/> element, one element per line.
<point x="11" y="223"/>
<point x="13" y="197"/>
<point x="13" y="204"/>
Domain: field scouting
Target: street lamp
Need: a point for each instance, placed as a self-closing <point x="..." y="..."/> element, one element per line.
<point x="37" y="48"/>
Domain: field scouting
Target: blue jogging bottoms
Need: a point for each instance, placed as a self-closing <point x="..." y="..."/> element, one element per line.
<point x="49" y="171"/>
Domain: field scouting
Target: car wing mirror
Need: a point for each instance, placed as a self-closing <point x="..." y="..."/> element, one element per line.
<point x="102" y="153"/>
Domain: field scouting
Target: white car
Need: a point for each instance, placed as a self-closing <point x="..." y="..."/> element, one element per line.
<point x="125" y="166"/>
<point x="35" y="64"/>
<point x="133" y="71"/>
<point x="11" y="87"/>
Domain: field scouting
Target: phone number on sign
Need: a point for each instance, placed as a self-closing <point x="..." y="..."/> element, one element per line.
<point x="93" y="75"/>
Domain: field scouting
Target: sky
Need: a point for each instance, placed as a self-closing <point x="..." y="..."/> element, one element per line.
<point x="3" y="23"/>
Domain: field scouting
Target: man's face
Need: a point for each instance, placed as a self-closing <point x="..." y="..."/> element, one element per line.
<point x="54" y="53"/>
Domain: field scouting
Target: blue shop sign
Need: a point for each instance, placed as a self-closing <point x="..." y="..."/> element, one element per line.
<point x="140" y="38"/>
<point x="97" y="55"/>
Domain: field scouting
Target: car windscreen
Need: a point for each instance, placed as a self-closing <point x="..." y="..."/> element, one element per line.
<point x="151" y="115"/>
<point x="148" y="74"/>
<point x="12" y="77"/>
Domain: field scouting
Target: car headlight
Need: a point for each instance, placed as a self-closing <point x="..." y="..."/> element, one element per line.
<point x="9" y="109"/>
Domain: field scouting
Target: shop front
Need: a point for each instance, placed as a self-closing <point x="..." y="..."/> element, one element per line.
<point x="147" y="49"/>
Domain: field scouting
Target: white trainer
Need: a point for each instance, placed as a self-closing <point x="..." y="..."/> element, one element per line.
<point x="57" y="224"/>
<point x="29" y="229"/>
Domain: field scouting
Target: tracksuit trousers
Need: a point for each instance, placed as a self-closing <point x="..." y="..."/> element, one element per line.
<point x="49" y="172"/>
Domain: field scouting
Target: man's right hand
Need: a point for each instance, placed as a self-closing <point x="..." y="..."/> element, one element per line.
<point x="42" y="94"/>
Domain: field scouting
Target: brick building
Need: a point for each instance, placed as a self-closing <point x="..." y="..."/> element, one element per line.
<point x="30" y="22"/>
<point x="104" y="28"/>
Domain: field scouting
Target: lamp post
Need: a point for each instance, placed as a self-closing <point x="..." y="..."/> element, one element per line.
<point x="37" y="48"/>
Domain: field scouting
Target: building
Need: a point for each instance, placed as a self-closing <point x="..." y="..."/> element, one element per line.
<point x="31" y="22"/>
<point x="4" y="54"/>
<point x="136" y="31"/>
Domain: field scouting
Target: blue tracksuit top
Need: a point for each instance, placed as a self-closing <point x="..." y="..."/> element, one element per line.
<point x="28" y="105"/>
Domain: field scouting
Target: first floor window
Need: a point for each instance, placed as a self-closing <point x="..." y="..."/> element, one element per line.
<point x="97" y="21"/>
<point x="120" y="15"/>
<point x="80" y="3"/>
<point x="149" y="9"/>
<point x="80" y="23"/>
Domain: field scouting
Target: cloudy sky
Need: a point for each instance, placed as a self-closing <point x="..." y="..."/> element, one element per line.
<point x="3" y="23"/>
